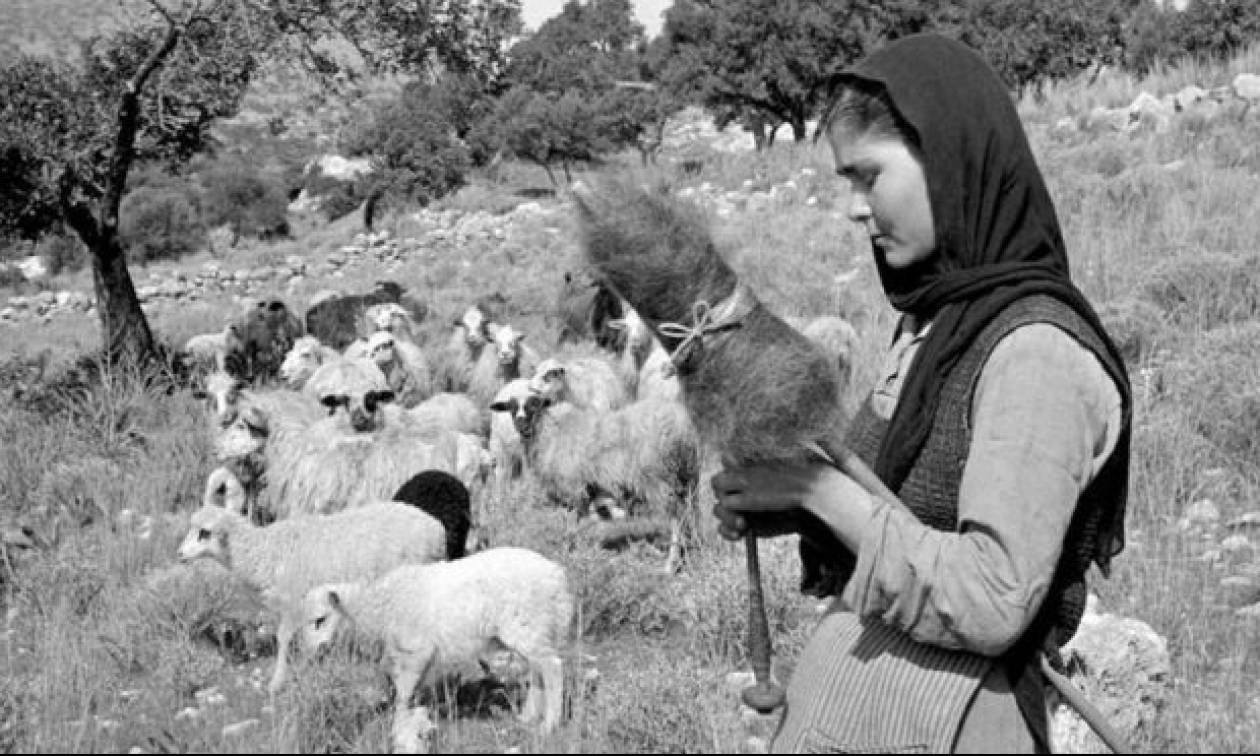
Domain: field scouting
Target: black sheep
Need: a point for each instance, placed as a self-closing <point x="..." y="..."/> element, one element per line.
<point x="445" y="498"/>
<point x="335" y="322"/>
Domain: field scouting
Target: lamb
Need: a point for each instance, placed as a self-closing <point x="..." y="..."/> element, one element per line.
<point x="304" y="358"/>
<point x="208" y="352"/>
<point x="646" y="453"/>
<point x="506" y="447"/>
<point x="432" y="618"/>
<point x="284" y="560"/>
<point x="584" y="381"/>
<point x="446" y="499"/>
<point x="405" y="368"/>
<point x="646" y="367"/>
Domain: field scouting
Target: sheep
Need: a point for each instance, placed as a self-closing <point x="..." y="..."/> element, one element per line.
<point x="658" y="378"/>
<point x="390" y="318"/>
<point x="336" y="321"/>
<point x="645" y="453"/>
<point x="646" y="367"/>
<point x="436" y="617"/>
<point x="448" y="411"/>
<point x="360" y="453"/>
<point x="228" y="395"/>
<point x="208" y="352"/>
<point x="225" y="490"/>
<point x="267" y="330"/>
<point x="585" y="381"/>
<point x="455" y="361"/>
<point x="344" y="376"/>
<point x="505" y="443"/>
<point x="405" y="367"/>
<point x="286" y="559"/>
<point x="446" y="499"/>
<point x="303" y="359"/>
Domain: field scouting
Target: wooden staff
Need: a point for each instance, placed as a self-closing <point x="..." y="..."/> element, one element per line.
<point x="764" y="695"/>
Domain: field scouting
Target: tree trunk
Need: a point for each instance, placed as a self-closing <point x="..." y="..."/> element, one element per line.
<point x="127" y="336"/>
<point x="800" y="132"/>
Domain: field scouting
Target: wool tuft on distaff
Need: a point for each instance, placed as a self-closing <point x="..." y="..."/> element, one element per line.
<point x="756" y="389"/>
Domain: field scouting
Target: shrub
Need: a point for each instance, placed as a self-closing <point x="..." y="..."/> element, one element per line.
<point x="1207" y="30"/>
<point x="337" y="197"/>
<point x="238" y="194"/>
<point x="62" y="253"/>
<point x="158" y="224"/>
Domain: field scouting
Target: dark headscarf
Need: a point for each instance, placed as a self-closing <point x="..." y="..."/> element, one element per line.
<point x="997" y="240"/>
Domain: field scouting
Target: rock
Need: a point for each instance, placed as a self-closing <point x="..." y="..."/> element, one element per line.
<point x="33" y="268"/>
<point x="189" y="713"/>
<point x="8" y="313"/>
<point x="1248" y="521"/>
<point x="342" y="169"/>
<point x="1189" y="96"/>
<point x="1146" y="109"/>
<point x="1123" y="667"/>
<point x="1246" y="86"/>
<point x="1202" y="513"/>
<point x="1237" y="545"/>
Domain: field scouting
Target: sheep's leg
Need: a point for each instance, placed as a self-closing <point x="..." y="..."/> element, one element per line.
<point x="409" y="669"/>
<point x="284" y="638"/>
<point x="551" y="669"/>
<point x="545" y="696"/>
<point x="673" y="558"/>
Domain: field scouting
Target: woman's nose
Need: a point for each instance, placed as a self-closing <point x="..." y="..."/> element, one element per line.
<point x="859" y="207"/>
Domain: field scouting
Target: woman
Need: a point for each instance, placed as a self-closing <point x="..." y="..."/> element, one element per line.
<point x="1001" y="421"/>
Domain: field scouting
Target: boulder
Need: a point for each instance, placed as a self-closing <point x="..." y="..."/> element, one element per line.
<point x="1246" y="86"/>
<point x="1123" y="667"/>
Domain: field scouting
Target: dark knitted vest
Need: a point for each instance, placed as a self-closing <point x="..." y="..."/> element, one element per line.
<point x="930" y="491"/>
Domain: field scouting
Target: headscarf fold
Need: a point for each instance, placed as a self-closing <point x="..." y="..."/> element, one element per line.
<point x="997" y="241"/>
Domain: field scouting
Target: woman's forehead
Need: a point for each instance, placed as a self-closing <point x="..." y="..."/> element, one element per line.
<point x="853" y="151"/>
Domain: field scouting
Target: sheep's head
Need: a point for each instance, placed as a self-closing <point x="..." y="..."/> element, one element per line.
<point x="548" y="380"/>
<point x="245" y="435"/>
<point x="224" y="490"/>
<point x="474" y="323"/>
<point x="301" y="361"/>
<point x="381" y="350"/>
<point x="527" y="414"/>
<point x="208" y="535"/>
<point x="389" y="317"/>
<point x="363" y="411"/>
<point x="223" y="393"/>
<point x="322" y="617"/>
<point x="507" y="344"/>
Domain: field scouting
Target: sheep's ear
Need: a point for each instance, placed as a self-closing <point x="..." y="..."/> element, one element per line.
<point x="372" y="398"/>
<point x="334" y="600"/>
<point x="617" y="324"/>
<point x="502" y="406"/>
<point x="200" y="394"/>
<point x="333" y="401"/>
<point x="457" y="322"/>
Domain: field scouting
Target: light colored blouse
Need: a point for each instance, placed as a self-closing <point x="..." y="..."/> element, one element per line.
<point x="1044" y="418"/>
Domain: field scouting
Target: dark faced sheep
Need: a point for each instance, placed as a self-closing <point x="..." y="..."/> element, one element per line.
<point x="264" y="333"/>
<point x="338" y="321"/>
<point x="585" y="308"/>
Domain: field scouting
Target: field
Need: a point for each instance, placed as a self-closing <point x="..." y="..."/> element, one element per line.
<point x="105" y="646"/>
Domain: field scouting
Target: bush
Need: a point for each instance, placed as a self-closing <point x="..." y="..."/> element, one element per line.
<point x="62" y="253"/>
<point x="238" y="194"/>
<point x="337" y="197"/>
<point x="158" y="224"/>
<point x="1207" y="30"/>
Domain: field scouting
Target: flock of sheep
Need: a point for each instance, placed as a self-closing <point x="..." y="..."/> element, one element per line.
<point x="348" y="443"/>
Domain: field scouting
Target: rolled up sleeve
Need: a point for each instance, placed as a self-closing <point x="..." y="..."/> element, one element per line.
<point x="1045" y="415"/>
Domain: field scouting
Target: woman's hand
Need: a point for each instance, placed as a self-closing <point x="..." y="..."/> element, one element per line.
<point x="769" y="500"/>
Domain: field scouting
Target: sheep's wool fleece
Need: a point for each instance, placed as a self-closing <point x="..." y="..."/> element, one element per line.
<point x="328" y="469"/>
<point x="289" y="557"/>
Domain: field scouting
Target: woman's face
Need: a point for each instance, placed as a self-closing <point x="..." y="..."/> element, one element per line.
<point x="889" y="194"/>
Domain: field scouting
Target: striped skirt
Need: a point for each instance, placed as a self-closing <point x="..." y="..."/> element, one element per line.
<point x="863" y="687"/>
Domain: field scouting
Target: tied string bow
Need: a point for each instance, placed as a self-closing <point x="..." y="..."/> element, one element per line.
<point x="706" y="320"/>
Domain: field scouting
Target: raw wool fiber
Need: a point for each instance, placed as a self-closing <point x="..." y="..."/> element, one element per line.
<point x="760" y="393"/>
<point x="446" y="499"/>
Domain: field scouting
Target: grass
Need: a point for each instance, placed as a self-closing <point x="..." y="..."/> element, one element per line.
<point x="107" y="640"/>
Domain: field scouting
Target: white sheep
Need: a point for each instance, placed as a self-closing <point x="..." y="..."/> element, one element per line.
<point x="390" y="317"/>
<point x="404" y="365"/>
<point x="352" y="457"/>
<point x="224" y="490"/>
<point x="588" y="382"/>
<point x="505" y="445"/>
<point x="228" y="396"/>
<point x="646" y="455"/>
<point x="658" y="378"/>
<point x="646" y="367"/>
<point x="345" y="376"/>
<point x="508" y="359"/>
<point x="208" y="351"/>
<point x="436" y="617"/>
<point x="286" y="559"/>
<point x="449" y="411"/>
<point x="467" y="343"/>
<point x="302" y="360"/>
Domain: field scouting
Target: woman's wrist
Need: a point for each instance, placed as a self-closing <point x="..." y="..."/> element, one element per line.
<point x="841" y="504"/>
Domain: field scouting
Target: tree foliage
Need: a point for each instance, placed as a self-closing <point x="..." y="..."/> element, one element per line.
<point x="1204" y="31"/>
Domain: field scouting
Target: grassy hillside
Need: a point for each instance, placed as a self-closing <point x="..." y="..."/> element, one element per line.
<point x="52" y="27"/>
<point x="106" y="644"/>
